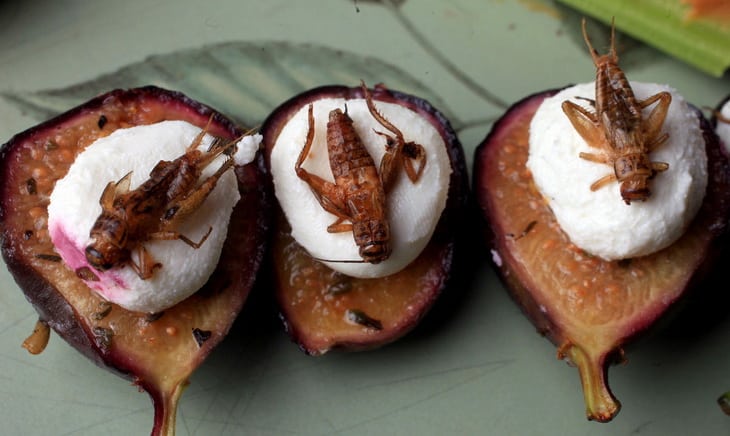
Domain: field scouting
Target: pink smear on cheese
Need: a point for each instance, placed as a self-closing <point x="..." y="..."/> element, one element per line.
<point x="109" y="285"/>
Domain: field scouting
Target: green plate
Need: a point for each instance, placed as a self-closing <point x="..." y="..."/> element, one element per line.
<point x="477" y="366"/>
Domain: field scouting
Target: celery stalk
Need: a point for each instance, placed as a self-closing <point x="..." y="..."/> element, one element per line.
<point x="703" y="43"/>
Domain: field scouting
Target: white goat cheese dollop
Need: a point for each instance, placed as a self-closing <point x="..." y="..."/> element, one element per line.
<point x="413" y="209"/>
<point x="599" y="221"/>
<point x="74" y="207"/>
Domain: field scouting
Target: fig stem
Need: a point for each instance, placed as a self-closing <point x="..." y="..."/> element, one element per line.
<point x="601" y="405"/>
<point x="166" y="410"/>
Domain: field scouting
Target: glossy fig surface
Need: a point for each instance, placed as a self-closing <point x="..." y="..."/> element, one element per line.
<point x="158" y="352"/>
<point x="590" y="308"/>
<point x="323" y="309"/>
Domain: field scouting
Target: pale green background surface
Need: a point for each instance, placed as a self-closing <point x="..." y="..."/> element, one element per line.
<point x="483" y="369"/>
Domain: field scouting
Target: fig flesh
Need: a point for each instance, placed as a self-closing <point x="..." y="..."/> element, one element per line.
<point x="323" y="309"/>
<point x="158" y="352"/>
<point x="590" y="308"/>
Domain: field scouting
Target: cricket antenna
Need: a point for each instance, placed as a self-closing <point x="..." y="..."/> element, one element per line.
<point x="339" y="261"/>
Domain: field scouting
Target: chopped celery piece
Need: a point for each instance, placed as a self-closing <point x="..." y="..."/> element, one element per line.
<point x="666" y="25"/>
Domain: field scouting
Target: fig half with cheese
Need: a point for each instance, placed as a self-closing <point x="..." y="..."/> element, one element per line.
<point x="720" y="120"/>
<point x="370" y="186"/>
<point x="107" y="154"/>
<point x="593" y="305"/>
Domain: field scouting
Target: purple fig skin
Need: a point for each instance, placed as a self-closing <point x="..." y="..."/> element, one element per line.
<point x="724" y="400"/>
<point x="242" y="255"/>
<point x="711" y="222"/>
<point x="436" y="264"/>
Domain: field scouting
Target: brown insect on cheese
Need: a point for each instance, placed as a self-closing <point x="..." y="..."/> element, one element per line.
<point x="618" y="128"/>
<point x="357" y="196"/>
<point x="154" y="209"/>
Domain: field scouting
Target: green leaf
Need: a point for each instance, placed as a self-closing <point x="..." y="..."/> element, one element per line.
<point x="244" y="80"/>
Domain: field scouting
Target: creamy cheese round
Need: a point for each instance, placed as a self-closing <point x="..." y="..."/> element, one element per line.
<point x="599" y="221"/>
<point x="723" y="128"/>
<point x="74" y="207"/>
<point x="413" y="209"/>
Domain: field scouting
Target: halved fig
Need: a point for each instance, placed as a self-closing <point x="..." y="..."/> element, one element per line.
<point x="157" y="351"/>
<point x="324" y="309"/>
<point x="720" y="121"/>
<point x="590" y="308"/>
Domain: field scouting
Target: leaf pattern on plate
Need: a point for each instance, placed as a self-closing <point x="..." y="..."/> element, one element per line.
<point x="244" y="80"/>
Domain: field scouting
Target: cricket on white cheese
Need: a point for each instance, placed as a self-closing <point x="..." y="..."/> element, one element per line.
<point x="74" y="207"/>
<point x="413" y="209"/>
<point x="599" y="222"/>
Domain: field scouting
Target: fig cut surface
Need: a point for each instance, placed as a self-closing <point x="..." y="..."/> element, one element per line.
<point x="158" y="352"/>
<point x="323" y="309"/>
<point x="588" y="307"/>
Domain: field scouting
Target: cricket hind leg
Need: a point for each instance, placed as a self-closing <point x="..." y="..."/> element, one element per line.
<point x="410" y="155"/>
<point x="327" y="194"/>
<point x="585" y="123"/>
<point x="415" y="161"/>
<point x="652" y="123"/>
<point x="171" y="235"/>
<point x="182" y="208"/>
<point x="114" y="190"/>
